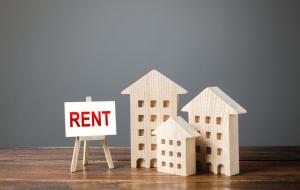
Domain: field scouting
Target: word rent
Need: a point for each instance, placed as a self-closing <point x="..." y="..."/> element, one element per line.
<point x="88" y="119"/>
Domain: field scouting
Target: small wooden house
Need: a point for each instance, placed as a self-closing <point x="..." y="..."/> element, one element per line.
<point x="176" y="147"/>
<point x="215" y="115"/>
<point x="153" y="99"/>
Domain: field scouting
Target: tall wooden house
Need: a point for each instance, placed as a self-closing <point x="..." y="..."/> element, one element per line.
<point x="215" y="115"/>
<point x="176" y="147"/>
<point x="153" y="99"/>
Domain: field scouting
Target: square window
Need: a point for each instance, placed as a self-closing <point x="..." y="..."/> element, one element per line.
<point x="140" y="103"/>
<point x="153" y="118"/>
<point x="170" y="142"/>
<point x="141" y="146"/>
<point x="153" y="146"/>
<point x="197" y="119"/>
<point x="163" y="152"/>
<point x="219" y="151"/>
<point x="163" y="163"/>
<point x="218" y="120"/>
<point x="178" y="143"/>
<point x="141" y="118"/>
<point x="141" y="132"/>
<point x="219" y="136"/>
<point x="207" y="134"/>
<point x="208" y="150"/>
<point x="153" y="103"/>
<point x="198" y="165"/>
<point x="178" y="166"/>
<point x="170" y="153"/>
<point x="207" y="119"/>
<point x="171" y="165"/>
<point x="178" y="154"/>
<point x="163" y="141"/>
<point x="165" y="117"/>
<point x="166" y="103"/>
<point x="198" y="149"/>
<point x="152" y="130"/>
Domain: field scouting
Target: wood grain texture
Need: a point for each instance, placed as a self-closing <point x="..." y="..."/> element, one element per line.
<point x="76" y="150"/>
<point x="86" y="139"/>
<point x="176" y="147"/>
<point x="215" y="115"/>
<point x="153" y="99"/>
<point x="48" y="168"/>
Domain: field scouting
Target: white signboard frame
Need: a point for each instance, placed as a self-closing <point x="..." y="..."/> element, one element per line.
<point x="89" y="120"/>
<point x="95" y="118"/>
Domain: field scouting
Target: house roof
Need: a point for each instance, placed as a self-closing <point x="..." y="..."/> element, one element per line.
<point x="154" y="79"/>
<point x="176" y="127"/>
<point x="237" y="109"/>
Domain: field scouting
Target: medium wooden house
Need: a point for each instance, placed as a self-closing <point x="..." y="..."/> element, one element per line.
<point x="215" y="115"/>
<point x="176" y="147"/>
<point x="153" y="99"/>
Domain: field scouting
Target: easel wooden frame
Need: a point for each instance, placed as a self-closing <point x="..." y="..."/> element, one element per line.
<point x="85" y="140"/>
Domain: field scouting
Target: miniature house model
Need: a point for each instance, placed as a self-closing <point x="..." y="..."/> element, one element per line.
<point x="176" y="147"/>
<point x="153" y="99"/>
<point x="215" y="115"/>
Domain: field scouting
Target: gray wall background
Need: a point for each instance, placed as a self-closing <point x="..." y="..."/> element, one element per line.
<point x="52" y="51"/>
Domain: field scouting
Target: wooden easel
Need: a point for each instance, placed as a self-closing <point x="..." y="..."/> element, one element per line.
<point x="78" y="140"/>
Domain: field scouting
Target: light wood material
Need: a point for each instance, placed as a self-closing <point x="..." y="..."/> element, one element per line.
<point x="75" y="155"/>
<point x="85" y="142"/>
<point x="102" y="139"/>
<point x="153" y="99"/>
<point x="107" y="153"/>
<point x="176" y="147"/>
<point x="92" y="138"/>
<point x="215" y="115"/>
<point x="262" y="168"/>
<point x="85" y="153"/>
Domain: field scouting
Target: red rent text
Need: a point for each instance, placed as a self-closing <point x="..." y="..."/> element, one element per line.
<point x="88" y="119"/>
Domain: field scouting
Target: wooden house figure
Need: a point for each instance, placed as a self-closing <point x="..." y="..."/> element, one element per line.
<point x="153" y="99"/>
<point x="176" y="147"/>
<point x="215" y="115"/>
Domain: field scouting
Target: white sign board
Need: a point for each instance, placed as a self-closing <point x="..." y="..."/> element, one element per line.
<point x="90" y="118"/>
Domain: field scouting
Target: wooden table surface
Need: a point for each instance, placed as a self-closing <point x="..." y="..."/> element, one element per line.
<point x="49" y="168"/>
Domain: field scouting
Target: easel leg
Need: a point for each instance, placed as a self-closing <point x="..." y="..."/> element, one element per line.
<point x="107" y="153"/>
<point x="85" y="153"/>
<point x="75" y="155"/>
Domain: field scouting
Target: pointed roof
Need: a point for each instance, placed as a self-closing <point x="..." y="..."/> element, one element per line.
<point x="176" y="127"/>
<point x="237" y="109"/>
<point x="154" y="79"/>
